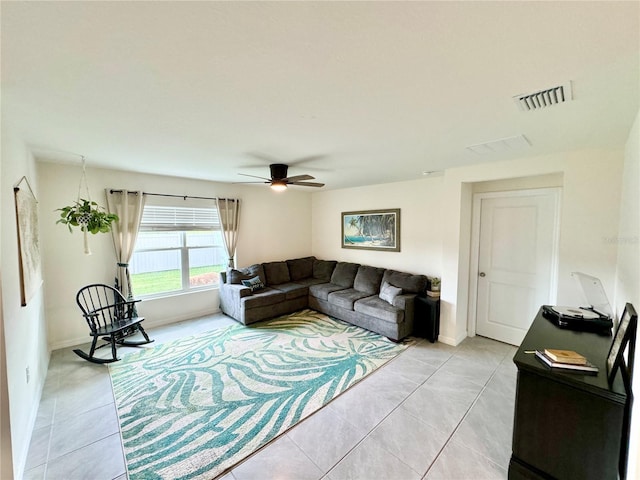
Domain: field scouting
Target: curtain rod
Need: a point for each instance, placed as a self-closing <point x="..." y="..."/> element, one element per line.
<point x="184" y="197"/>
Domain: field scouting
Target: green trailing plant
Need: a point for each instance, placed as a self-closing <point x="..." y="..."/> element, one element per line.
<point x="87" y="215"/>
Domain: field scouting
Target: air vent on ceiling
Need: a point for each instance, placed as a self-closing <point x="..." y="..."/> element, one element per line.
<point x="544" y="98"/>
<point x="516" y="142"/>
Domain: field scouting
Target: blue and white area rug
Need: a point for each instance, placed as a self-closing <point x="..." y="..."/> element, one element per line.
<point x="194" y="407"/>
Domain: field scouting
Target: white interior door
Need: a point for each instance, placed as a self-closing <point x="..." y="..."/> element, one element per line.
<point x="517" y="244"/>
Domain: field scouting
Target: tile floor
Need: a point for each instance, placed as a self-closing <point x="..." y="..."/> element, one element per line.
<point x="433" y="412"/>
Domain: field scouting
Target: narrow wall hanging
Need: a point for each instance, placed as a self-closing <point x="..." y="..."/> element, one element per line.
<point x="28" y="245"/>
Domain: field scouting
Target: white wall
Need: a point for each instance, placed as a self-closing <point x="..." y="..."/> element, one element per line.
<point x="436" y="223"/>
<point x="420" y="216"/>
<point x="628" y="268"/>
<point x="435" y="233"/>
<point x="273" y="226"/>
<point x="25" y="329"/>
<point x="590" y="206"/>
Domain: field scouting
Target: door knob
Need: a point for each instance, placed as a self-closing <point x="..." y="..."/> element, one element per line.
<point x="482" y="274"/>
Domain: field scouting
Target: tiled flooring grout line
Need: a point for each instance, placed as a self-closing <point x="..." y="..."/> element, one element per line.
<point x="325" y="472"/>
<point x="368" y="434"/>
<point x="466" y="414"/>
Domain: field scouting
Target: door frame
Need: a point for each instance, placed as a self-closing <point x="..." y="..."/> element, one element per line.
<point x="555" y="193"/>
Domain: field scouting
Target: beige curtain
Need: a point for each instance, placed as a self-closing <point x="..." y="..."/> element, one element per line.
<point x="128" y="205"/>
<point x="229" y="212"/>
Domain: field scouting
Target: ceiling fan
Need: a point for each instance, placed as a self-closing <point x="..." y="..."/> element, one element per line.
<point x="279" y="179"/>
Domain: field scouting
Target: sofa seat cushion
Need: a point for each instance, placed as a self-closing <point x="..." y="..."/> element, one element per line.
<point x="276" y="273"/>
<point x="293" y="290"/>
<point x="322" y="290"/>
<point x="300" y="268"/>
<point x="374" y="306"/>
<point x="263" y="298"/>
<point x="346" y="298"/>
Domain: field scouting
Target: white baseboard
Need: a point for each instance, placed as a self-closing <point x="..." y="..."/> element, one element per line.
<point x="148" y="324"/>
<point x="451" y="340"/>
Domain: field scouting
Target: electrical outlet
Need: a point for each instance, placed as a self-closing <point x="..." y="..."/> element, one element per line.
<point x="28" y="376"/>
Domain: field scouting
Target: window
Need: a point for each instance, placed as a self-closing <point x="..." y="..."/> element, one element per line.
<point x="178" y="249"/>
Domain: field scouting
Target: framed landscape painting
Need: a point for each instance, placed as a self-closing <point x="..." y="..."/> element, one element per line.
<point x="372" y="230"/>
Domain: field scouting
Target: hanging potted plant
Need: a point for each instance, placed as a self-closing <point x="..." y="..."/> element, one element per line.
<point x="87" y="215"/>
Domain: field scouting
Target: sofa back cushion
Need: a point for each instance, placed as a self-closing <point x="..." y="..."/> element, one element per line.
<point x="276" y="272"/>
<point x="344" y="274"/>
<point x="368" y="279"/>
<point x="236" y="276"/>
<point x="300" y="268"/>
<point x="323" y="269"/>
<point x="408" y="282"/>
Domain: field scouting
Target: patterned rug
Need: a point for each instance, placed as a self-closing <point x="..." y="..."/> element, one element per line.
<point x="194" y="407"/>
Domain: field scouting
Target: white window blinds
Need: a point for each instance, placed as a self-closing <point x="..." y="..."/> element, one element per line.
<point x="162" y="218"/>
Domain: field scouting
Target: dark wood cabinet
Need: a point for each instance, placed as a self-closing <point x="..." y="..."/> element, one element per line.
<point x="427" y="317"/>
<point x="566" y="425"/>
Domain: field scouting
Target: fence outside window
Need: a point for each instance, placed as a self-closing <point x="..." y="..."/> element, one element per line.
<point x="178" y="249"/>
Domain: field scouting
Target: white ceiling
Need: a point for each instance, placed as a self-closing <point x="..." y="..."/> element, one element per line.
<point x="356" y="93"/>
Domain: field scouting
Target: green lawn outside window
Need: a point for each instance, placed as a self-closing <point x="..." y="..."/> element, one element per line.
<point x="169" y="280"/>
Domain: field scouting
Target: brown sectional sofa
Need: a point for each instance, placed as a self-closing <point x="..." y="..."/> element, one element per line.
<point x="348" y="291"/>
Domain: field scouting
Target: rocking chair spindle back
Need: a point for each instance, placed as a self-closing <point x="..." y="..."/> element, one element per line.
<point x="111" y="316"/>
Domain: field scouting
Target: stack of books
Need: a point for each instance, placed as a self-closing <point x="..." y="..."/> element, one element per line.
<point x="566" y="360"/>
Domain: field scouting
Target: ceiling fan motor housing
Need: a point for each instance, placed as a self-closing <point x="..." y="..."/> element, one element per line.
<point x="278" y="171"/>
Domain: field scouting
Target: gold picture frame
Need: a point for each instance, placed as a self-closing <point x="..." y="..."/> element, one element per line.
<point x="372" y="230"/>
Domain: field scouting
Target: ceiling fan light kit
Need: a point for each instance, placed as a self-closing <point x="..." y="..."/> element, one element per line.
<point x="279" y="180"/>
<point x="278" y="185"/>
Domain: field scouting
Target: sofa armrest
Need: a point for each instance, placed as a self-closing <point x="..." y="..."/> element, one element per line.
<point x="230" y="299"/>
<point x="406" y="301"/>
<point x="235" y="292"/>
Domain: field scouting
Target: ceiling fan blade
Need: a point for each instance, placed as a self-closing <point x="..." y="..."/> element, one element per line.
<point x="254" y="176"/>
<point x="309" y="158"/>
<point x="297" y="178"/>
<point x="307" y="184"/>
<point x="236" y="183"/>
<point x="263" y="156"/>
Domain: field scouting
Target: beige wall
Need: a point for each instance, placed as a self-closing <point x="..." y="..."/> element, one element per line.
<point x="25" y="329"/>
<point x="420" y="216"/>
<point x="436" y="223"/>
<point x="435" y="235"/>
<point x="587" y="220"/>
<point x="273" y="226"/>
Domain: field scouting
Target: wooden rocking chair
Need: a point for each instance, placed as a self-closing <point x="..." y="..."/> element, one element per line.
<point x="110" y="317"/>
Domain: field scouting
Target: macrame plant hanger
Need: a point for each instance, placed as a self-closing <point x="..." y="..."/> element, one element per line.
<point x="86" y="214"/>
<point x="83" y="220"/>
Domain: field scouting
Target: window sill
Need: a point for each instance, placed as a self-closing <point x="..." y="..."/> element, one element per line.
<point x="181" y="293"/>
